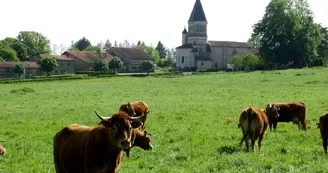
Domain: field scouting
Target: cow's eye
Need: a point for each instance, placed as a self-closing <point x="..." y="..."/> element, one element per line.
<point x="114" y="128"/>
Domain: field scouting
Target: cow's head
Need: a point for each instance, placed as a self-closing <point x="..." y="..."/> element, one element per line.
<point x="145" y="142"/>
<point x="2" y="150"/>
<point x="272" y="111"/>
<point x="128" y="109"/>
<point x="121" y="125"/>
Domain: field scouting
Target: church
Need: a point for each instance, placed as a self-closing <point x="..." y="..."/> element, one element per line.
<point x="197" y="53"/>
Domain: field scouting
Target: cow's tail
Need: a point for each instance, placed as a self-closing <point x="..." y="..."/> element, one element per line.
<point x="249" y="114"/>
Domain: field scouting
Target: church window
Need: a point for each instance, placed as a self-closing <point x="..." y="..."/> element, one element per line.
<point x="182" y="60"/>
<point x="216" y="65"/>
<point x="202" y="64"/>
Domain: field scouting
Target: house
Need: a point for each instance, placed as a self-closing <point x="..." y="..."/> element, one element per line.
<point x="132" y="58"/>
<point x="7" y="69"/>
<point x="197" y="53"/>
<point x="84" y="60"/>
<point x="65" y="64"/>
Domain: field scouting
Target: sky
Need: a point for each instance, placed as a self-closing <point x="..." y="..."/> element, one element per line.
<point x="64" y="21"/>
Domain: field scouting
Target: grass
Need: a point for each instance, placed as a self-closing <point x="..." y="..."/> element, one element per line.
<point x="193" y="120"/>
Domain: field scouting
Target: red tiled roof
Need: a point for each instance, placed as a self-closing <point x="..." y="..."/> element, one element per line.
<point x="11" y="64"/>
<point x="127" y="54"/>
<point x="58" y="57"/>
<point x="229" y="44"/>
<point x="89" y="56"/>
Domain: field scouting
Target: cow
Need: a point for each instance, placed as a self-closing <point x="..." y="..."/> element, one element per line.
<point x="2" y="150"/>
<point x="84" y="149"/>
<point x="323" y="125"/>
<point x="286" y="112"/>
<point x="253" y="123"/>
<point x="137" y="108"/>
<point x="140" y="139"/>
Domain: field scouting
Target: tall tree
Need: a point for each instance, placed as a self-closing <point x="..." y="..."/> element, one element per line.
<point x="82" y="44"/>
<point x="6" y="52"/>
<point x="255" y="41"/>
<point x="161" y="50"/>
<point x="107" y="45"/>
<point x="35" y="42"/>
<point x="288" y="33"/>
<point x="48" y="64"/>
<point x="323" y="47"/>
<point x="19" y="47"/>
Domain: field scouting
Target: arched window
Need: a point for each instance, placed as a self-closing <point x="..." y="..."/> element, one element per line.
<point x="182" y="60"/>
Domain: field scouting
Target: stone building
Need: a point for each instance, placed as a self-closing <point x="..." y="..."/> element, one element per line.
<point x="197" y="53"/>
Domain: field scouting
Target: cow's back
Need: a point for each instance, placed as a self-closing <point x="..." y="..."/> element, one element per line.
<point x="291" y="111"/>
<point x="324" y="124"/>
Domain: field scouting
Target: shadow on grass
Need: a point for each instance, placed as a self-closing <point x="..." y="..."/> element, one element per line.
<point x="23" y="90"/>
<point x="228" y="150"/>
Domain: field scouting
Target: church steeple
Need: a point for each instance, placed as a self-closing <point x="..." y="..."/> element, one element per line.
<point x="197" y="13"/>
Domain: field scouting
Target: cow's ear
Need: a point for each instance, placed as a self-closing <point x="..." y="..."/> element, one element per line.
<point x="107" y="124"/>
<point x="136" y="124"/>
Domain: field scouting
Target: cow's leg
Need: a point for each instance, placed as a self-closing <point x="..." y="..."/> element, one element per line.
<point x="253" y="143"/>
<point x="275" y="126"/>
<point x="304" y="125"/>
<point x="324" y="144"/>
<point x="270" y="124"/>
<point x="260" y="140"/>
<point x="247" y="143"/>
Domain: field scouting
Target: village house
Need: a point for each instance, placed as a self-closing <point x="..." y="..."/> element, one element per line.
<point x="7" y="69"/>
<point x="64" y="63"/>
<point x="132" y="58"/>
<point x="196" y="53"/>
<point x="84" y="60"/>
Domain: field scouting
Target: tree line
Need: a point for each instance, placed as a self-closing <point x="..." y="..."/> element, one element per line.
<point x="287" y="37"/>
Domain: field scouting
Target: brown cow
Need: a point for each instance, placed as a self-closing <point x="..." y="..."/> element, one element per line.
<point x="79" y="148"/>
<point x="323" y="125"/>
<point x="253" y="123"/>
<point x="286" y="112"/>
<point x="137" y="108"/>
<point x="2" y="150"/>
<point x="140" y="139"/>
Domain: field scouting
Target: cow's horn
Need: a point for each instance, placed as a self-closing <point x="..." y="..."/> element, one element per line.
<point x="136" y="118"/>
<point x="101" y="118"/>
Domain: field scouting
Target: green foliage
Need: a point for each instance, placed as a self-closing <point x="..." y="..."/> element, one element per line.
<point x="48" y="64"/>
<point x="107" y="45"/>
<point x="82" y="44"/>
<point x="255" y="41"/>
<point x="247" y="61"/>
<point x="197" y="125"/>
<point x="162" y="52"/>
<point x="101" y="66"/>
<point x="19" y="69"/>
<point x="147" y="66"/>
<point x="23" y="90"/>
<point x="323" y="47"/>
<point x="19" y="47"/>
<point x="6" y="52"/>
<point x="150" y="51"/>
<point x="34" y="42"/>
<point x="288" y="33"/>
<point x="115" y="65"/>
<point x="92" y="48"/>
<point x="1" y="59"/>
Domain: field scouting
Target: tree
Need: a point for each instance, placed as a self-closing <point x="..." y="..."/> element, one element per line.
<point x="48" y="64"/>
<point x="147" y="66"/>
<point x="6" y="52"/>
<point x="115" y="64"/>
<point x="255" y="41"/>
<point x="34" y="42"/>
<point x="19" y="69"/>
<point x="323" y="47"/>
<point x="288" y="33"/>
<point x="150" y="51"/>
<point x="82" y="44"/>
<point x="92" y="49"/>
<point x="20" y="48"/>
<point x="247" y="62"/>
<point x="161" y="50"/>
<point x="107" y="45"/>
<point x="101" y="66"/>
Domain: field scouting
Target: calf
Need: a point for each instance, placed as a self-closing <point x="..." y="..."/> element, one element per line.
<point x="323" y="125"/>
<point x="286" y="112"/>
<point x="253" y="123"/>
<point x="2" y="150"/>
<point x="138" y="108"/>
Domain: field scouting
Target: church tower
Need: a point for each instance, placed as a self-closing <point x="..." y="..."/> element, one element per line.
<point x="197" y="27"/>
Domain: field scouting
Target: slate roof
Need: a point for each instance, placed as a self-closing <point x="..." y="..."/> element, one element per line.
<point x="229" y="44"/>
<point x="189" y="46"/>
<point x="184" y="31"/>
<point x="197" y="13"/>
<point x="128" y="54"/>
<point x="88" y="56"/>
<point x="11" y="64"/>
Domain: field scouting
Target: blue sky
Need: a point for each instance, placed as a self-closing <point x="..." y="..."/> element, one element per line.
<point x="62" y="21"/>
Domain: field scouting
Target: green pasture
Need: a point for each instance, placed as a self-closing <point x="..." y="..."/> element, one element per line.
<point x="193" y="120"/>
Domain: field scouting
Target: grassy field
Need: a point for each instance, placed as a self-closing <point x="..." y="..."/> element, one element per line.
<point x="193" y="120"/>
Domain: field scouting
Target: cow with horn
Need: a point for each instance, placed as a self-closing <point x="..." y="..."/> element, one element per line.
<point x="84" y="149"/>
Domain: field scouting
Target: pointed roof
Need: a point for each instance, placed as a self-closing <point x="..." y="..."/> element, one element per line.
<point x="184" y="31"/>
<point x="197" y="13"/>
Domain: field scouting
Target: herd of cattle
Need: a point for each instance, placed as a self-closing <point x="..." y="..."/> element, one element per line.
<point x="79" y="148"/>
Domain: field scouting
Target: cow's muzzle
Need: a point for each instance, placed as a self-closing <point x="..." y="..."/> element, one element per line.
<point x="125" y="144"/>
